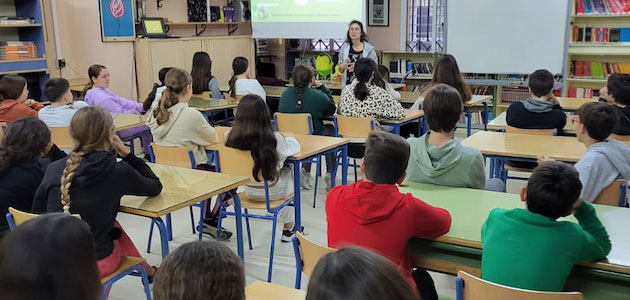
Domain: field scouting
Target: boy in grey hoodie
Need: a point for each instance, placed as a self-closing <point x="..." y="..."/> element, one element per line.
<point x="437" y="157"/>
<point x="606" y="160"/>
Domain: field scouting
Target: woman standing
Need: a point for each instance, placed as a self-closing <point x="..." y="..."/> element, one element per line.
<point x="356" y="47"/>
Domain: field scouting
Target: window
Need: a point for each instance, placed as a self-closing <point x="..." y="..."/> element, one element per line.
<point x="425" y="25"/>
<point x="324" y="44"/>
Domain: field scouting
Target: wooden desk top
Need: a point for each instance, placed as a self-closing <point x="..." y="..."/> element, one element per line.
<point x="411" y="97"/>
<point x="126" y="121"/>
<point x="310" y="144"/>
<point x="207" y="104"/>
<point x="469" y="209"/>
<point x="181" y="188"/>
<point x="274" y="91"/>
<point x="262" y="290"/>
<point x="78" y="84"/>
<point x="500" y="122"/>
<point x="409" y="115"/>
<point x="574" y="103"/>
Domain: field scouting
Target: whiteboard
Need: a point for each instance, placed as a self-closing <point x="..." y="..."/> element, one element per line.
<point x="507" y="36"/>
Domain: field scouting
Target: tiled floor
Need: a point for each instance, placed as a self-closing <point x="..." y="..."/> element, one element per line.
<point x="256" y="260"/>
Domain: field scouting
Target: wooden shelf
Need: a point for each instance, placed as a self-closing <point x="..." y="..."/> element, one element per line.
<point x="19" y="25"/>
<point x="606" y="16"/>
<point x="405" y="52"/>
<point x="20" y="60"/>
<point x="586" y="80"/>
<point x="204" y="23"/>
<point x="589" y="49"/>
<point x="414" y="77"/>
<point x="24" y="71"/>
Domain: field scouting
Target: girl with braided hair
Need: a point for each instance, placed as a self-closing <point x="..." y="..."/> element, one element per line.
<point x="22" y="165"/>
<point x="308" y="95"/>
<point x="90" y="183"/>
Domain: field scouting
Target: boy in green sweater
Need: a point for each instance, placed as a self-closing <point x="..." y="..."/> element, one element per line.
<point x="530" y="249"/>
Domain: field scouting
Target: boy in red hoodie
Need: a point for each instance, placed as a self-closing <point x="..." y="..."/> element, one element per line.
<point x="15" y="102"/>
<point x="372" y="213"/>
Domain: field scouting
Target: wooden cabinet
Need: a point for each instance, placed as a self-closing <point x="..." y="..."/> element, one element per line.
<point x="154" y="54"/>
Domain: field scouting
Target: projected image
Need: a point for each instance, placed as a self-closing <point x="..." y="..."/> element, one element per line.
<point x="306" y="10"/>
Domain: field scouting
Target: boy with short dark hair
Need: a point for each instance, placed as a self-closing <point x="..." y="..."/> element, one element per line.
<point x="62" y="107"/>
<point x="372" y="213"/>
<point x="617" y="92"/>
<point x="529" y="248"/>
<point x="541" y="110"/>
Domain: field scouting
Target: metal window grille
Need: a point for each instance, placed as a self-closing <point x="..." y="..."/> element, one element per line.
<point x="425" y="29"/>
<point x="325" y="44"/>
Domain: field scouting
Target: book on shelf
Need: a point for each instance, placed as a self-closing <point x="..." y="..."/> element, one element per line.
<point x="601" y="35"/>
<point x="602" y="7"/>
<point x="399" y="68"/>
<point x="582" y="93"/>
<point x="596" y="70"/>
<point x="482" y="89"/>
<point x="16" y="20"/>
<point x="13" y="50"/>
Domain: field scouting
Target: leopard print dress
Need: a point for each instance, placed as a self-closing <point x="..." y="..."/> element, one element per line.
<point x="378" y="105"/>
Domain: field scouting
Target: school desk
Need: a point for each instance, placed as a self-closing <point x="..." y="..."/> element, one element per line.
<point x="500" y="123"/>
<point x="311" y="147"/>
<point x="573" y="104"/>
<point x="410" y="117"/>
<point x="126" y="121"/>
<point x="460" y="248"/>
<point x="208" y="105"/>
<point x="262" y="290"/>
<point x="181" y="188"/>
<point x="77" y="85"/>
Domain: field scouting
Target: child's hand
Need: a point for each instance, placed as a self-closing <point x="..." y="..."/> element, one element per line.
<point x="544" y="158"/>
<point x="29" y="102"/>
<point x="316" y="83"/>
<point x="118" y="145"/>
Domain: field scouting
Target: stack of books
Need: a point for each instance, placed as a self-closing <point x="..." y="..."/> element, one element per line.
<point x="581" y="93"/>
<point x="596" y="70"/>
<point x="13" y="50"/>
<point x="16" y="20"/>
<point x="599" y="35"/>
<point x="602" y="7"/>
<point x="401" y="67"/>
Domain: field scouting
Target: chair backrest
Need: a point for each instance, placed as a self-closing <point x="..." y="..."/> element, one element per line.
<point x="469" y="287"/>
<point x="61" y="137"/>
<point x="353" y="127"/>
<point x="19" y="217"/>
<point x="623" y="138"/>
<point x="614" y="194"/>
<point x="309" y="252"/>
<point x="171" y="156"/>
<point x="548" y="132"/>
<point x="295" y="123"/>
<point x="233" y="99"/>
<point x="3" y="126"/>
<point x="235" y="162"/>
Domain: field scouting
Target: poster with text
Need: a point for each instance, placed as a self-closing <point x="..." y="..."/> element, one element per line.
<point x="117" y="20"/>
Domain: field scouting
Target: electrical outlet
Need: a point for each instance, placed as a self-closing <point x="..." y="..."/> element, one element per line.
<point x="61" y="63"/>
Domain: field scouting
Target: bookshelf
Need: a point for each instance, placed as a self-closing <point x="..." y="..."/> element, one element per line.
<point x="597" y="47"/>
<point x="34" y="68"/>
<point x="400" y="63"/>
<point x="200" y="27"/>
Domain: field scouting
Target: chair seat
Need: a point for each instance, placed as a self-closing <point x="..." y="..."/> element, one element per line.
<point x="253" y="204"/>
<point x="516" y="169"/>
<point x="126" y="262"/>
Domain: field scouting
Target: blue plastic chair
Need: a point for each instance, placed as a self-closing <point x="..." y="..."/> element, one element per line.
<point x="240" y="163"/>
<point x="353" y="127"/>
<point x="176" y="159"/>
<point x="128" y="265"/>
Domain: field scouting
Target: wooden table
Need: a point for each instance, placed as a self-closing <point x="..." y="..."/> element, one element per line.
<point x="274" y="91"/>
<point x="573" y="104"/>
<point x="209" y="105"/>
<point x="126" y="121"/>
<point x="181" y="188"/>
<point x="78" y="84"/>
<point x="410" y="117"/>
<point x="311" y="146"/>
<point x="460" y="248"/>
<point x="262" y="290"/>
<point x="500" y="123"/>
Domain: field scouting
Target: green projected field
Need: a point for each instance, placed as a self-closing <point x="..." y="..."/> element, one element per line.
<point x="306" y="10"/>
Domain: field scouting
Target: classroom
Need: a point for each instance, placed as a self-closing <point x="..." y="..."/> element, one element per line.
<point x="314" y="149"/>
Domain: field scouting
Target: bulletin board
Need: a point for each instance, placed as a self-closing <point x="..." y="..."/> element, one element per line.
<point x="117" y="20"/>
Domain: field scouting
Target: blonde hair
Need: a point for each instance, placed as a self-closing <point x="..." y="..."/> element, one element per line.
<point x="176" y="82"/>
<point x="90" y="129"/>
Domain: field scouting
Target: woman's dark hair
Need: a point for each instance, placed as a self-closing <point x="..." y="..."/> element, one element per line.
<point x="364" y="69"/>
<point x="253" y="131"/>
<point x="93" y="71"/>
<point x="149" y="101"/>
<point x="357" y="274"/>
<point x="24" y="140"/>
<point x="384" y="72"/>
<point x="49" y="257"/>
<point x="446" y="71"/>
<point x="239" y="66"/>
<point x="201" y="72"/>
<point x="378" y="79"/>
<point x="302" y="76"/>
<point x="11" y="86"/>
<point x="205" y="270"/>
<point x="364" y="37"/>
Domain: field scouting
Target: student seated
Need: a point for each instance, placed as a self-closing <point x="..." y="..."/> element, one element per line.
<point x="383" y="71"/>
<point x="203" y="270"/>
<point x="202" y="79"/>
<point x="541" y="110"/>
<point x="22" y="165"/>
<point x="308" y="95"/>
<point x="90" y="183"/>
<point x="49" y="257"/>
<point x="438" y="157"/>
<point x="253" y="131"/>
<point x="358" y="274"/>
<point x="153" y="99"/>
<point x="446" y="71"/>
<point x="606" y="160"/>
<point x="529" y="248"/>
<point x="62" y="107"/>
<point x="240" y="83"/>
<point x="617" y="92"/>
<point x="14" y="101"/>
<point x="369" y="212"/>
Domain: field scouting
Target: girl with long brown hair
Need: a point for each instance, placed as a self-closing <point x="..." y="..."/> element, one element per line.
<point x="253" y="131"/>
<point x="241" y="83"/>
<point x="447" y="71"/>
<point x="90" y="183"/>
<point x="202" y="79"/>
